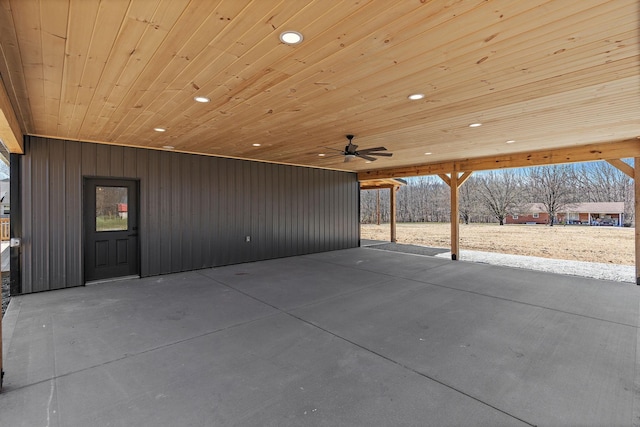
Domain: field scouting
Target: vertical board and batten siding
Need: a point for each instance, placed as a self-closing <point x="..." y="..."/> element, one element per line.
<point x="195" y="211"/>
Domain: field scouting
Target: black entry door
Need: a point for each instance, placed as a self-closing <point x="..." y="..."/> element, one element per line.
<point x="110" y="228"/>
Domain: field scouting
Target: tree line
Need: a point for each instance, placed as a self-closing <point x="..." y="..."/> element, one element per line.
<point x="488" y="197"/>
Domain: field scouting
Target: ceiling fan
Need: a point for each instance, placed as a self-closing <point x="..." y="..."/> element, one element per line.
<point x="351" y="151"/>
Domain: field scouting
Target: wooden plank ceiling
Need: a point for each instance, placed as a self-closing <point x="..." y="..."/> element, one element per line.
<point x="545" y="74"/>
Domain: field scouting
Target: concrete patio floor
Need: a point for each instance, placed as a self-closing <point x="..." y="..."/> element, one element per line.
<point x="359" y="337"/>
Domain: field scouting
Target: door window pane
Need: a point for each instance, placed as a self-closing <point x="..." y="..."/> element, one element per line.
<point x="111" y="208"/>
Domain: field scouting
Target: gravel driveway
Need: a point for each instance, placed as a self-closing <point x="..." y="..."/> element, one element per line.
<point x="614" y="272"/>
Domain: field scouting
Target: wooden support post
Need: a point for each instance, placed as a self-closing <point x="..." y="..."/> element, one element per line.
<point x="393" y="185"/>
<point x="454" y="181"/>
<point x="636" y="218"/>
<point x="378" y="207"/>
<point x="392" y="214"/>
<point x="455" y="222"/>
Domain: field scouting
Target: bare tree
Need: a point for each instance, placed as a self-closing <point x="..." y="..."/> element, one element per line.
<point x="469" y="200"/>
<point x="108" y="198"/>
<point x="365" y="207"/>
<point x="423" y="199"/>
<point x="370" y="205"/>
<point x="491" y="196"/>
<point x="554" y="187"/>
<point x="500" y="192"/>
<point x="438" y="207"/>
<point x="602" y="182"/>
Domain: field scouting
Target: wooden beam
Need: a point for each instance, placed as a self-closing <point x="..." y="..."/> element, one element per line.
<point x="10" y="131"/>
<point x="4" y="155"/>
<point x="445" y="178"/>
<point x="464" y="177"/>
<point x="636" y="217"/>
<point x="373" y="184"/>
<point x="392" y="197"/>
<point x="624" y="167"/>
<point x="584" y="153"/>
<point x="364" y="186"/>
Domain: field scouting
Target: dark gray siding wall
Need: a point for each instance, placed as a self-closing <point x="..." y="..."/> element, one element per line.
<point x="195" y="211"/>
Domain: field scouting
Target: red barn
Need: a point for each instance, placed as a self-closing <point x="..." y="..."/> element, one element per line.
<point x="122" y="210"/>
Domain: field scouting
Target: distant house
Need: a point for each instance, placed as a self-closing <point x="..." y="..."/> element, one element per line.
<point x="590" y="213"/>
<point x="596" y="213"/>
<point x="533" y="213"/>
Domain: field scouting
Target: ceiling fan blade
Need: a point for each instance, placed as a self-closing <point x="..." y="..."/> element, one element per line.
<point x="369" y="158"/>
<point x="373" y="149"/>
<point x="380" y="154"/>
<point x="334" y="149"/>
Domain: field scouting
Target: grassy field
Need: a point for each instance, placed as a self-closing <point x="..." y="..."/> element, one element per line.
<point x="578" y="243"/>
<point x="104" y="223"/>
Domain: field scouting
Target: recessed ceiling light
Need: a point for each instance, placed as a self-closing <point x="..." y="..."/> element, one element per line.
<point x="416" y="96"/>
<point x="291" y="37"/>
<point x="159" y="129"/>
<point x="475" y="125"/>
<point x="428" y="154"/>
<point x="202" y="99"/>
<point x="321" y="154"/>
<point x="368" y="161"/>
<point x="256" y="145"/>
<point x="168" y="147"/>
<point x="511" y="141"/>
